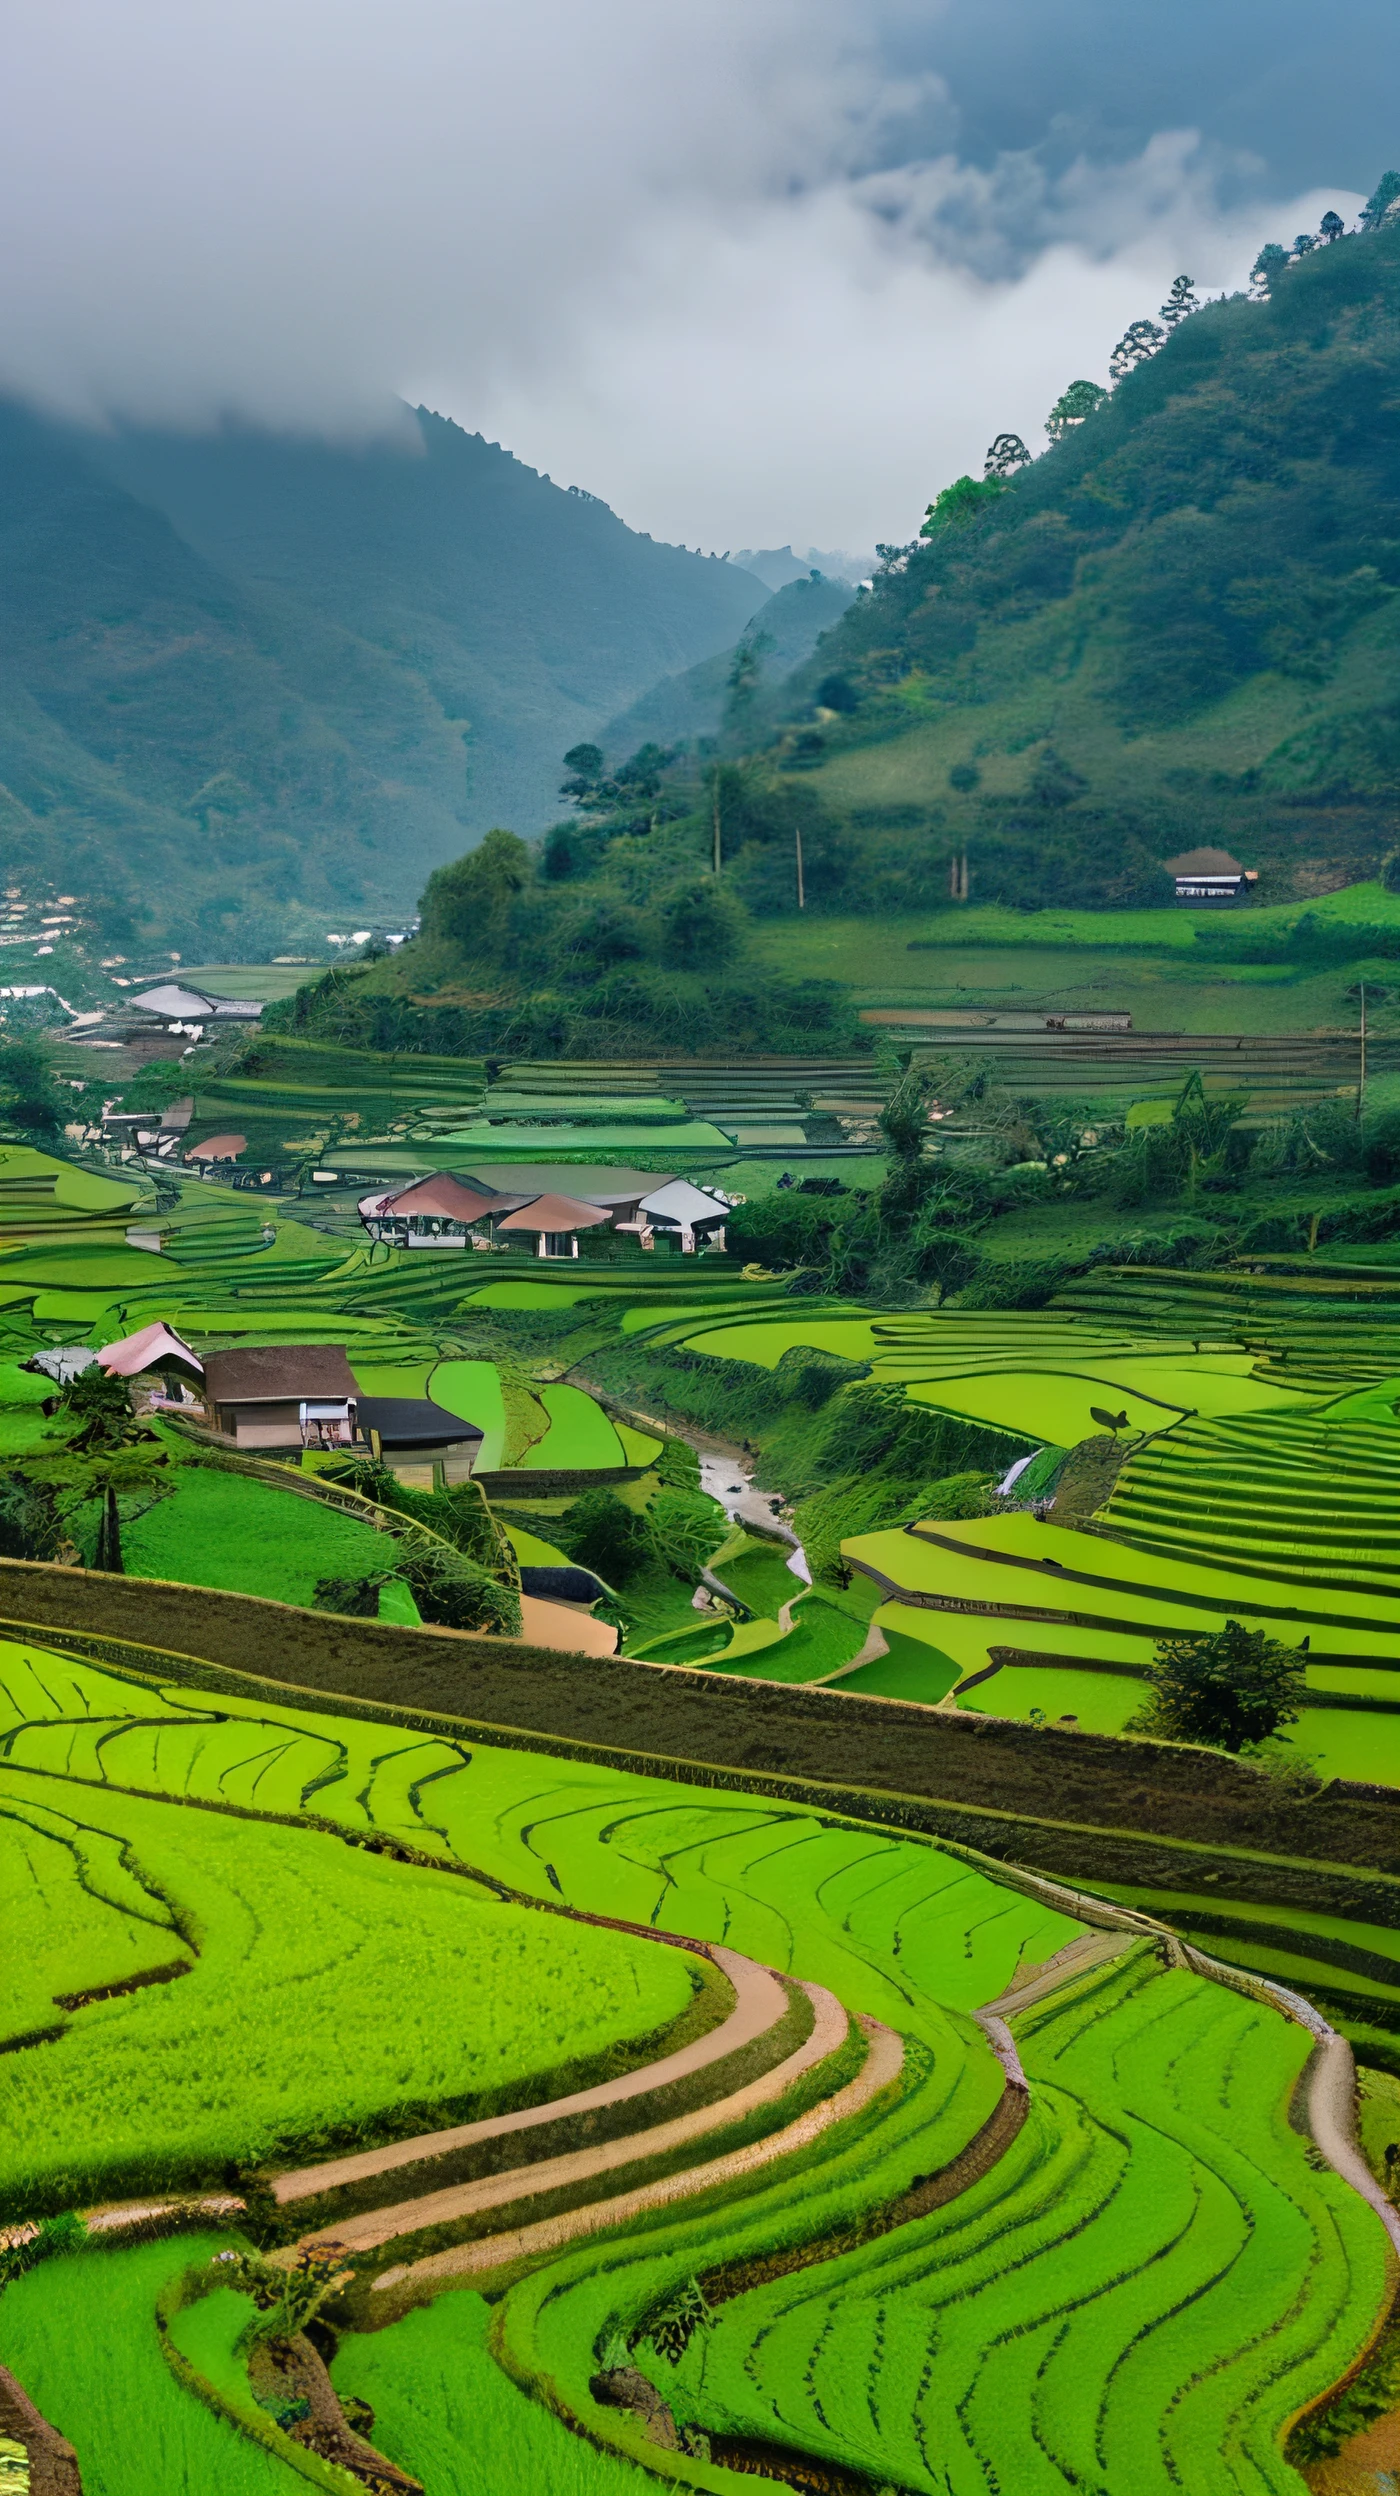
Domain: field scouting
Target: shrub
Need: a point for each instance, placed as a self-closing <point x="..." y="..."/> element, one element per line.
<point x="454" y="1592"/>
<point x="685" y="1527"/>
<point x="357" y="1597"/>
<point x="29" y="1526"/>
<point x="604" y="1535"/>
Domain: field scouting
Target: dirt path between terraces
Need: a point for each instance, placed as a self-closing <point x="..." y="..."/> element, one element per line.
<point x="883" y="2063"/>
<point x="1332" y="2122"/>
<point x="580" y="2166"/>
<point x="759" y="2003"/>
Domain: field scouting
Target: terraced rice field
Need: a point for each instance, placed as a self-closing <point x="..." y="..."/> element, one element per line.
<point x="1075" y="2318"/>
<point x="443" y="2408"/>
<point x="1309" y="1495"/>
<point x="1118" y="2154"/>
<point x="383" y="1993"/>
<point x="137" y="2432"/>
<point x="1128" y="2274"/>
<point x="579" y="1436"/>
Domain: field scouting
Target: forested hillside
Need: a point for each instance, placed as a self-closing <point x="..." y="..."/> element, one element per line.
<point x="777" y="638"/>
<point x="1178" y="626"/>
<point x="250" y="681"/>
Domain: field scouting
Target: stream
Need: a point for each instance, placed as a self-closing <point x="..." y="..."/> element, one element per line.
<point x="729" y="1481"/>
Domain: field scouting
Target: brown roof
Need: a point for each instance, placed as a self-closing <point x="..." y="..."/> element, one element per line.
<point x="591" y="1185"/>
<point x="218" y="1148"/>
<point x="443" y="1196"/>
<point x="1203" y="862"/>
<point x="553" y="1213"/>
<point x="265" y="1373"/>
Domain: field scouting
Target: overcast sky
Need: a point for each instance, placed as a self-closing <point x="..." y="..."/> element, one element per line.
<point x="753" y="270"/>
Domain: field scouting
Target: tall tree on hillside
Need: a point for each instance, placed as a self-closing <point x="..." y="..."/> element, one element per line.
<point x="30" y="1104"/>
<point x="1331" y="229"/>
<point x="701" y="925"/>
<point x="1140" y="341"/>
<point x="1271" y="261"/>
<point x="1073" y="405"/>
<point x="109" y="1456"/>
<point x="584" y="765"/>
<point x="1383" y="204"/>
<point x="745" y="676"/>
<point x="1181" y="302"/>
<point x="1006" y="456"/>
<point x="958" y="503"/>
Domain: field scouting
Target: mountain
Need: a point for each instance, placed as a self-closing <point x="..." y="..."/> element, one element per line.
<point x="1180" y="626"/>
<point x="776" y="566"/>
<point x="247" y="681"/>
<point x="781" y="633"/>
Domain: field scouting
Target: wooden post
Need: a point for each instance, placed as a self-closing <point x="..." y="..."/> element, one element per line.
<point x="801" y="895"/>
<point x="1361" y="1086"/>
<point x="716" y="799"/>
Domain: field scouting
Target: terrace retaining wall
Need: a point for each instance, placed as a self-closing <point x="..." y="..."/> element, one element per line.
<point x="939" y="1770"/>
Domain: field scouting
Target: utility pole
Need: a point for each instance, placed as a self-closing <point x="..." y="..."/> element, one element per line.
<point x="1361" y="1086"/>
<point x="801" y="894"/>
<point x="715" y="793"/>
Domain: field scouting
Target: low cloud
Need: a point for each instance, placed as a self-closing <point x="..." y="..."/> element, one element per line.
<point x="733" y="269"/>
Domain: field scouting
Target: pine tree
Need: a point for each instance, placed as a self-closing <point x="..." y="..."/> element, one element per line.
<point x="1072" y="407"/>
<point x="1139" y="341"/>
<point x="1007" y="454"/>
<point x="1181" y="302"/>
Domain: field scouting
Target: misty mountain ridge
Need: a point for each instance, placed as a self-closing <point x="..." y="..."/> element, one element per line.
<point x="251" y="680"/>
<point x="777" y="566"/>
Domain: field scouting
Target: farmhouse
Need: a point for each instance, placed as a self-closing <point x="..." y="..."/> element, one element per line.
<point x="616" y="1190"/>
<point x="688" y="1211"/>
<point x="439" y="1212"/>
<point x="1209" y="875"/>
<point x="555" y="1222"/>
<point x="407" y="1431"/>
<point x="286" y="1395"/>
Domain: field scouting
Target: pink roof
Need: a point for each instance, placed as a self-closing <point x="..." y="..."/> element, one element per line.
<point x="218" y="1148"/>
<point x="440" y="1195"/>
<point x="554" y="1213"/>
<point x="133" y="1353"/>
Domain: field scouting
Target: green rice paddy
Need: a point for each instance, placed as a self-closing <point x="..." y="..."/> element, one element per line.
<point x="1096" y="1702"/>
<point x="444" y="2410"/>
<point x="580" y="1435"/>
<point x="472" y="1390"/>
<point x="1097" y="2279"/>
<point x="383" y="1994"/>
<point x="137" y="2432"/>
<point x="1150" y="2277"/>
<point x="1212" y="2204"/>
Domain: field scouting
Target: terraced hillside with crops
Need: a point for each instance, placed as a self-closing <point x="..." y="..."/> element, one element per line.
<point x="716" y="2012"/>
<point x="851" y="2224"/>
